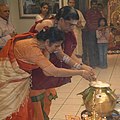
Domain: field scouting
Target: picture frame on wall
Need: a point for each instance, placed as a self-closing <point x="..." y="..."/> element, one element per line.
<point x="3" y="1"/>
<point x="30" y="8"/>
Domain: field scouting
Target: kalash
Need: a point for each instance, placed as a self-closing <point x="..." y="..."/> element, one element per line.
<point x="100" y="102"/>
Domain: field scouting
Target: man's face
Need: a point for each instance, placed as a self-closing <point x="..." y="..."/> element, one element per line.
<point x="67" y="25"/>
<point x="4" y="12"/>
<point x="100" y="7"/>
<point x="94" y="5"/>
<point x="71" y="3"/>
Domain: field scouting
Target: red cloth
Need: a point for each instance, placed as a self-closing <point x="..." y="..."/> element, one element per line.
<point x="32" y="29"/>
<point x="92" y="17"/>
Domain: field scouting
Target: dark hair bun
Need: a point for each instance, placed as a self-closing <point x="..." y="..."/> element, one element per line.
<point x="52" y="33"/>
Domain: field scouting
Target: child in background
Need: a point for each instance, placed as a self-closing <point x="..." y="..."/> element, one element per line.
<point x="102" y="34"/>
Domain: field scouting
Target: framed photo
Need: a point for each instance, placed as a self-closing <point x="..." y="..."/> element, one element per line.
<point x="3" y="1"/>
<point x="30" y="8"/>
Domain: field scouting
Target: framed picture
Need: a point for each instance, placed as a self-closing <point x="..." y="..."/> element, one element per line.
<point x="29" y="8"/>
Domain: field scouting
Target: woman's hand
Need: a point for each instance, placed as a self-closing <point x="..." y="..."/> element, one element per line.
<point x="88" y="68"/>
<point x="88" y="75"/>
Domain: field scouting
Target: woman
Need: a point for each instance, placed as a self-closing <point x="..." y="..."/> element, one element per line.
<point x="43" y="15"/>
<point x="66" y="19"/>
<point x="17" y="59"/>
<point x="44" y="12"/>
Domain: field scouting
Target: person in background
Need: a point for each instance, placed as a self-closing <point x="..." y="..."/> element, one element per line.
<point x="102" y="34"/>
<point x="19" y="56"/>
<point x="78" y="33"/>
<point x="65" y="19"/>
<point x="44" y="12"/>
<point x="92" y="16"/>
<point x="7" y="30"/>
<point x="101" y="9"/>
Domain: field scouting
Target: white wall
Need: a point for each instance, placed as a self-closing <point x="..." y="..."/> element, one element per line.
<point x="21" y="25"/>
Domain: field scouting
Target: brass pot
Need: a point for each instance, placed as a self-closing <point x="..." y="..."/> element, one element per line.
<point x="101" y="100"/>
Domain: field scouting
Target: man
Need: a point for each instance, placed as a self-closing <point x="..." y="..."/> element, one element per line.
<point x="66" y="18"/>
<point x="80" y="25"/>
<point x="7" y="30"/>
<point x="101" y="9"/>
<point x="92" y="16"/>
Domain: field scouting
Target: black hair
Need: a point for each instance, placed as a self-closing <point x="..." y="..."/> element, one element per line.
<point x="67" y="13"/>
<point x="100" y="4"/>
<point x="43" y="4"/>
<point x="53" y="34"/>
<point x="93" y="1"/>
<point x="104" y="21"/>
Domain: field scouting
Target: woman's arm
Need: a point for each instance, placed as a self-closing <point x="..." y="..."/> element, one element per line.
<point x="61" y="72"/>
<point x="73" y="61"/>
<point x="32" y="54"/>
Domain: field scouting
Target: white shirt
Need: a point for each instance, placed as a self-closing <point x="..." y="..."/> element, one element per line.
<point x="5" y="29"/>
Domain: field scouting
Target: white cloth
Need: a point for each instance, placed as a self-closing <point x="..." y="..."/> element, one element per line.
<point x="38" y="17"/>
<point x="78" y="34"/>
<point x="5" y="29"/>
<point x="12" y="94"/>
<point x="81" y="18"/>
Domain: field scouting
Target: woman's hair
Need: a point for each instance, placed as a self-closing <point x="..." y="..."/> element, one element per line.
<point x="104" y="21"/>
<point x="53" y="34"/>
<point x="67" y="13"/>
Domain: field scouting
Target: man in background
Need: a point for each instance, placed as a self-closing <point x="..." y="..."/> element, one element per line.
<point x="101" y="9"/>
<point x="92" y="16"/>
<point x="77" y="31"/>
<point x="7" y="30"/>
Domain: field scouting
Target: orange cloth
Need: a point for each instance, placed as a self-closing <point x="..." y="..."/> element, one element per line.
<point x="28" y="56"/>
<point x="25" y="112"/>
<point x="37" y="106"/>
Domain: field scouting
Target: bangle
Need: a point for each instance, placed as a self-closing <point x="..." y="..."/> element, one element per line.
<point x="77" y="66"/>
<point x="66" y="59"/>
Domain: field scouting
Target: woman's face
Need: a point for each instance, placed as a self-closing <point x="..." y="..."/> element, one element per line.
<point x="71" y="3"/>
<point x="44" y="9"/>
<point x="53" y="47"/>
<point x="67" y="25"/>
<point x="102" y="23"/>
